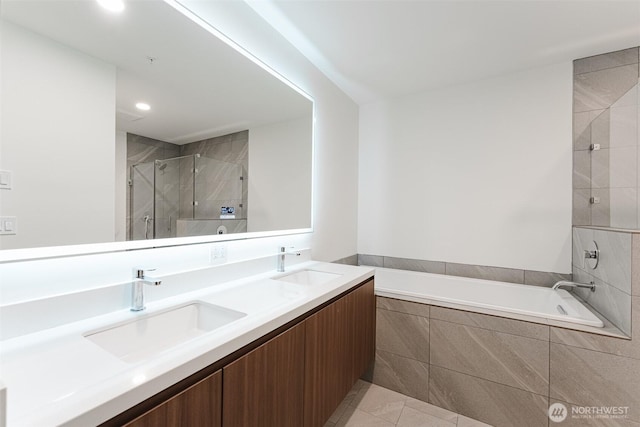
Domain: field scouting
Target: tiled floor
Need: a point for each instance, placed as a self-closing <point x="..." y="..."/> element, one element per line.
<point x="369" y="405"/>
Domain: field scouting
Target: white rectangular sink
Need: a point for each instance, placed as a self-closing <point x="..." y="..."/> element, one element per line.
<point x="308" y="277"/>
<point x="145" y="337"/>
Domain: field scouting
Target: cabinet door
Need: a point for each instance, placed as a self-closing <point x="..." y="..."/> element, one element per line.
<point x="340" y="345"/>
<point x="265" y="387"/>
<point x="326" y="376"/>
<point x="363" y="321"/>
<point x="198" y="406"/>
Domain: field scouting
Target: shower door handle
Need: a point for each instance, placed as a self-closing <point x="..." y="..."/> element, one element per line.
<point x="147" y="221"/>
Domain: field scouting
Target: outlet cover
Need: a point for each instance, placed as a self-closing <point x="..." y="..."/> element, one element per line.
<point x="218" y="254"/>
<point x="8" y="225"/>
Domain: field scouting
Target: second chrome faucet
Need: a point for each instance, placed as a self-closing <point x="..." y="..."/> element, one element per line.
<point x="140" y="278"/>
<point x="282" y="253"/>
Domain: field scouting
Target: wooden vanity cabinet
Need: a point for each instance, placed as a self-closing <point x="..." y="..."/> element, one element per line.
<point x="295" y="376"/>
<point x="265" y="387"/>
<point x="340" y="345"/>
<point x="199" y="405"/>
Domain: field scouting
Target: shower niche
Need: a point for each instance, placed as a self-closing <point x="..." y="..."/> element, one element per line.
<point x="606" y="157"/>
<point x="186" y="195"/>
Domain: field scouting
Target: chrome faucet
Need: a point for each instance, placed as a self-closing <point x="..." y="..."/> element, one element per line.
<point x="140" y="279"/>
<point x="282" y="252"/>
<point x="562" y="283"/>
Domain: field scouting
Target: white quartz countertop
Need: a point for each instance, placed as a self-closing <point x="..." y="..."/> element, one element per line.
<point x="58" y="377"/>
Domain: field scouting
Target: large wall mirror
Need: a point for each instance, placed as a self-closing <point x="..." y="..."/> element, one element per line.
<point x="139" y="125"/>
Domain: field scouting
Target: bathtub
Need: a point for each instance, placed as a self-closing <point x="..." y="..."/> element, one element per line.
<point x="506" y="298"/>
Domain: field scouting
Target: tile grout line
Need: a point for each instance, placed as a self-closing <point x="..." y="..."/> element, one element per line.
<point x="549" y="380"/>
<point x="492" y="330"/>
<point x="491" y="381"/>
<point x="429" y="365"/>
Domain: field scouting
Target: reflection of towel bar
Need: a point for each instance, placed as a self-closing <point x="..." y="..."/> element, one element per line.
<point x="562" y="310"/>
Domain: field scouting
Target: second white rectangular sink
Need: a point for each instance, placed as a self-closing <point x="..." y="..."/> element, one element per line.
<point x="142" y="338"/>
<point x="308" y="277"/>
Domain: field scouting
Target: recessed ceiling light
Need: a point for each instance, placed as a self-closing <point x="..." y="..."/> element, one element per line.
<point x="143" y="106"/>
<point x="112" y="5"/>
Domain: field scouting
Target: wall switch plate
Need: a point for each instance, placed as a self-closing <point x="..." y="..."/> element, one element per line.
<point x="8" y="225"/>
<point x="5" y="180"/>
<point x="218" y="254"/>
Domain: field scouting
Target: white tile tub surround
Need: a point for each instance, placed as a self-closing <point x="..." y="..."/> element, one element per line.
<point x="537" y="304"/>
<point x="612" y="276"/>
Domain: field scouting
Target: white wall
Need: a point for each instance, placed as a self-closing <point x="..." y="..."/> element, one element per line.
<point x="121" y="187"/>
<point x="280" y="186"/>
<point x="477" y="174"/>
<point x="336" y="126"/>
<point x="57" y="134"/>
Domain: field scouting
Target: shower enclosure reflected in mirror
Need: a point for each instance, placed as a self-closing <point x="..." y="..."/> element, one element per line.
<point x="72" y="74"/>
<point x="185" y="196"/>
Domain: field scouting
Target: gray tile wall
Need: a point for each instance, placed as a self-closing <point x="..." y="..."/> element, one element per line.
<point x="349" y="260"/>
<point x="505" y="372"/>
<point x="206" y="227"/>
<point x="402" y="347"/>
<point x="605" y="112"/>
<point x="234" y="149"/>
<point x="231" y="149"/>
<point x="512" y="275"/>
<point x="612" y="275"/>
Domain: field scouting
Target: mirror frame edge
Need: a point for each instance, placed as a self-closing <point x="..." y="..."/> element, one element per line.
<point x="46" y="252"/>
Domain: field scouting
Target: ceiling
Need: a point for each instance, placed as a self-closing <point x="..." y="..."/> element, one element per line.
<point x="388" y="48"/>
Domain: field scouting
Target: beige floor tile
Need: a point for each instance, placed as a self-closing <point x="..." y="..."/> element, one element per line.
<point x="370" y="405"/>
<point x="354" y="417"/>
<point x="413" y="418"/>
<point x="340" y="410"/>
<point x="470" y="422"/>
<point x="380" y="402"/>
<point x="432" y="410"/>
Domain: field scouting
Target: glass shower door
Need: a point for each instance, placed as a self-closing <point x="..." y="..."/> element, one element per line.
<point x="141" y="201"/>
<point x="167" y="197"/>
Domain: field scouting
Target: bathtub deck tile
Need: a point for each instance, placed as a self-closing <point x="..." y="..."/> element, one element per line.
<point x="612" y="345"/>
<point x="486" y="401"/>
<point x="494" y="323"/>
<point x="543" y="278"/>
<point x="591" y="378"/>
<point x="500" y="274"/>
<point x="403" y="306"/>
<point x="403" y="334"/>
<point x="503" y="358"/>
<point x="371" y="260"/>
<point x="635" y="265"/>
<point x="611" y="302"/>
<point x="414" y="265"/>
<point x="401" y="374"/>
